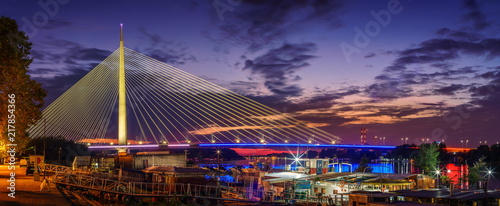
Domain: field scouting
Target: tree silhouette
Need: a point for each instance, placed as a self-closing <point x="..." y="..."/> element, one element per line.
<point x="16" y="84"/>
<point x="427" y="158"/>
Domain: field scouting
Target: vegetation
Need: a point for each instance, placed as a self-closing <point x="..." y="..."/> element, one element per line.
<point x="14" y="62"/>
<point x="204" y="153"/>
<point x="427" y="158"/>
<point x="56" y="149"/>
<point x="364" y="165"/>
<point x="477" y="173"/>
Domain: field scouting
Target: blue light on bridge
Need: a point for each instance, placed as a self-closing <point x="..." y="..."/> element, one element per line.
<point x="298" y="145"/>
<point x="123" y="146"/>
<point x="249" y="145"/>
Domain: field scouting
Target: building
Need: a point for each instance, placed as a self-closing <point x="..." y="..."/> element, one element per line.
<point x="185" y="175"/>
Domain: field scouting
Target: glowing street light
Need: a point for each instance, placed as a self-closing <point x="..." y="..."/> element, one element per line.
<point x="437" y="179"/>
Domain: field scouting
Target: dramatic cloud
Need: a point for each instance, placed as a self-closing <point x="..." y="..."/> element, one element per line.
<point x="442" y="50"/>
<point x="58" y="64"/>
<point x="157" y="47"/>
<point x="257" y="24"/>
<point x="475" y="15"/>
<point x="278" y="67"/>
<point x="450" y="90"/>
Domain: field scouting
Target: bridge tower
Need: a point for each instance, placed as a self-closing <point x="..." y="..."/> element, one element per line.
<point x="122" y="101"/>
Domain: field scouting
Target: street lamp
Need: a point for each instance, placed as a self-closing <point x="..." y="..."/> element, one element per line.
<point x="462" y="142"/>
<point x="488" y="173"/>
<point x="437" y="179"/>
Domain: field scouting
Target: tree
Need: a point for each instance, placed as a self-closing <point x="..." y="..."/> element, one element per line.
<point x="16" y="84"/>
<point x="427" y="158"/>
<point x="475" y="173"/>
<point x="364" y="166"/>
<point x="57" y="149"/>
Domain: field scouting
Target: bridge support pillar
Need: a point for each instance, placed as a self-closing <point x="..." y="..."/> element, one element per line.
<point x="122" y="100"/>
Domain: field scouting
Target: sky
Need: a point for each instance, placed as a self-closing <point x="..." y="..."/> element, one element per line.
<point x="408" y="71"/>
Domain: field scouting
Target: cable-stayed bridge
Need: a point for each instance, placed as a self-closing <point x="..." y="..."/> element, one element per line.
<point x="166" y="105"/>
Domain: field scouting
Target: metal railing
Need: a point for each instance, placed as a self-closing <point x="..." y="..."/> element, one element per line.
<point x="109" y="183"/>
<point x="51" y="168"/>
<point x="137" y="188"/>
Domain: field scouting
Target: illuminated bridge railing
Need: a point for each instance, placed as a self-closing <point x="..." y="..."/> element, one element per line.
<point x="243" y="145"/>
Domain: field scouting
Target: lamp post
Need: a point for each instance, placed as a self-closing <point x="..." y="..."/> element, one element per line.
<point x="437" y="179"/>
<point x="488" y="173"/>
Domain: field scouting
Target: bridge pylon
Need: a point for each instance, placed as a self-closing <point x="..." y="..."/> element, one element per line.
<point x="122" y="99"/>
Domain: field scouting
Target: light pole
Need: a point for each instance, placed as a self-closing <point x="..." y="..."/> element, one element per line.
<point x="489" y="173"/>
<point x="462" y="143"/>
<point x="466" y="142"/>
<point x="437" y="179"/>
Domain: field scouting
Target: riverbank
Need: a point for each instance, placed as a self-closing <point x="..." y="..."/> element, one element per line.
<point x="27" y="191"/>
